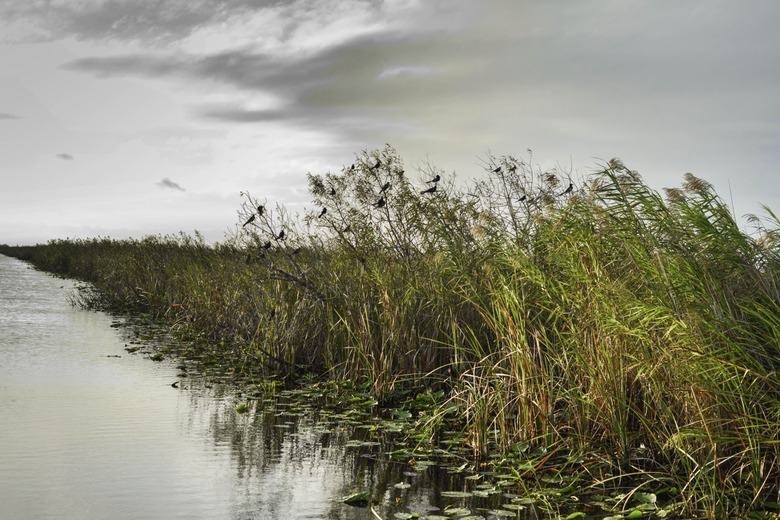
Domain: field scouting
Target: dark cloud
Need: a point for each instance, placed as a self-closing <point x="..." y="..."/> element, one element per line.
<point x="65" y="156"/>
<point x="4" y="115"/>
<point x="167" y="183"/>
<point x="150" y="21"/>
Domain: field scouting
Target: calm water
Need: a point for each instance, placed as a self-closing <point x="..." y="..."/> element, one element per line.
<point x="85" y="434"/>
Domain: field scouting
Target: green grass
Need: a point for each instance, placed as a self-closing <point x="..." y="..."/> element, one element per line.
<point x="611" y="321"/>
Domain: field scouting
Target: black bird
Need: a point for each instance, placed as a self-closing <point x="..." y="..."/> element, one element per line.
<point x="435" y="179"/>
<point x="251" y="219"/>
<point x="297" y="250"/>
<point x="281" y="235"/>
<point x="260" y="209"/>
<point x="497" y="170"/>
<point x="522" y="199"/>
<point x="378" y="164"/>
<point x="267" y="245"/>
<point x="380" y="203"/>
<point x="347" y="229"/>
<point x="352" y="167"/>
<point x="429" y="190"/>
<point x="324" y="210"/>
<point x="568" y="190"/>
<point x="385" y="187"/>
<point x="333" y="192"/>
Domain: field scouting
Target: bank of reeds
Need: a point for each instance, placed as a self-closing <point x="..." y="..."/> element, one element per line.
<point x="642" y="329"/>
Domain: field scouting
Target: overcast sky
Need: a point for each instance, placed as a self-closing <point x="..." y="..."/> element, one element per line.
<point x="124" y="118"/>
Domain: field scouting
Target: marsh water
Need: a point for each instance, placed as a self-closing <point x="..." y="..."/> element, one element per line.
<point x="89" y="430"/>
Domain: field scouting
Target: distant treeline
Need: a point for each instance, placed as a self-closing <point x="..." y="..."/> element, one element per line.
<point x="591" y="313"/>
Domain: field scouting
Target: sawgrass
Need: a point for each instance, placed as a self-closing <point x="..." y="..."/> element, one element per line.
<point x="640" y="329"/>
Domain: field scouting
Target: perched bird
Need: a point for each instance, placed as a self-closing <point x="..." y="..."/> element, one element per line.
<point x="568" y="190"/>
<point x="385" y="187"/>
<point x="378" y="164"/>
<point x="429" y="190"/>
<point x="267" y="245"/>
<point x="380" y="203"/>
<point x="497" y="170"/>
<point x="281" y="235"/>
<point x="249" y="220"/>
<point x="297" y="250"/>
<point x="352" y="167"/>
<point x="260" y="210"/>
<point x="333" y="192"/>
<point x="324" y="210"/>
<point x="435" y="179"/>
<point x="522" y="199"/>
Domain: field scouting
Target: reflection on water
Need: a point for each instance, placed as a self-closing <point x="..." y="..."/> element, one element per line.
<point x="90" y="431"/>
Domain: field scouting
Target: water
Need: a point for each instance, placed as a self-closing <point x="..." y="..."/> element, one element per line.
<point x="90" y="431"/>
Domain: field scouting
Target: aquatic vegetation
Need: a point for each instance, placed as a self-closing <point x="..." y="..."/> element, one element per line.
<point x="552" y="328"/>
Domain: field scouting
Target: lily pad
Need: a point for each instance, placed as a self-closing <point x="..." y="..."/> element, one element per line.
<point x="357" y="499"/>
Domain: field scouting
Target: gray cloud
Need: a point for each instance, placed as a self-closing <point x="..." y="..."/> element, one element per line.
<point x="5" y="115"/>
<point x="65" y="156"/>
<point x="150" y="21"/>
<point x="167" y="183"/>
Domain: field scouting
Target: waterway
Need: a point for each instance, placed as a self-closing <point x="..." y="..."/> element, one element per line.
<point x="89" y="430"/>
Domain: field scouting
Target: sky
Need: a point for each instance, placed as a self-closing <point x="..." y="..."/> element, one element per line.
<point x="125" y="118"/>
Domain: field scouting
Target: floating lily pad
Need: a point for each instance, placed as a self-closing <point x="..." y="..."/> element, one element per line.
<point x="356" y="499"/>
<point x="456" y="494"/>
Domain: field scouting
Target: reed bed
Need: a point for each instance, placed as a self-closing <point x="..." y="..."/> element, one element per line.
<point x="641" y="329"/>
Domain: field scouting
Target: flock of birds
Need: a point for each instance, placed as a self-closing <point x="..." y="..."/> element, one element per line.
<point x="379" y="203"/>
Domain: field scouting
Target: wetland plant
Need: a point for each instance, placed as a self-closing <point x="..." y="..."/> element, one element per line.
<point x="634" y="332"/>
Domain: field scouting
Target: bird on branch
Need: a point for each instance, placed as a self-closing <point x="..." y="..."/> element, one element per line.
<point x="429" y="190"/>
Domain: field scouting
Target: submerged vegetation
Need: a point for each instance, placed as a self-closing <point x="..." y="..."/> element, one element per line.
<point x="595" y="317"/>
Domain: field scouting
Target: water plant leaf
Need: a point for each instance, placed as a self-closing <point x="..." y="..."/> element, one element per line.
<point x="456" y="494"/>
<point x="501" y="512"/>
<point x="356" y="499"/>
<point x="242" y="408"/>
<point x="403" y="485"/>
<point x="578" y="514"/>
<point x="647" y="498"/>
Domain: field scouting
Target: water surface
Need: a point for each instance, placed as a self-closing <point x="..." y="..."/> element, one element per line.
<point x="91" y="431"/>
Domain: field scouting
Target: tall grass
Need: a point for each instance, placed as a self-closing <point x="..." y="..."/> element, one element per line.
<point x="608" y="319"/>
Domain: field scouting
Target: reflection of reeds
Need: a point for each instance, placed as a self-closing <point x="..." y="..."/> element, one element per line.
<point x="613" y="320"/>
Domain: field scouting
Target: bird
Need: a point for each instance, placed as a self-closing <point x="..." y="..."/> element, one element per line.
<point x="568" y="190"/>
<point x="435" y="179"/>
<point x="267" y="245"/>
<point x="385" y="187"/>
<point x="429" y="190"/>
<point x="347" y="229"/>
<point x="324" y="210"/>
<point x="522" y="199"/>
<point x="352" y="167"/>
<point x="380" y="203"/>
<point x="281" y="235"/>
<point x="249" y="220"/>
<point x="378" y="164"/>
<point x="297" y="250"/>
<point x="497" y="170"/>
<point x="260" y="209"/>
<point x="333" y="192"/>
